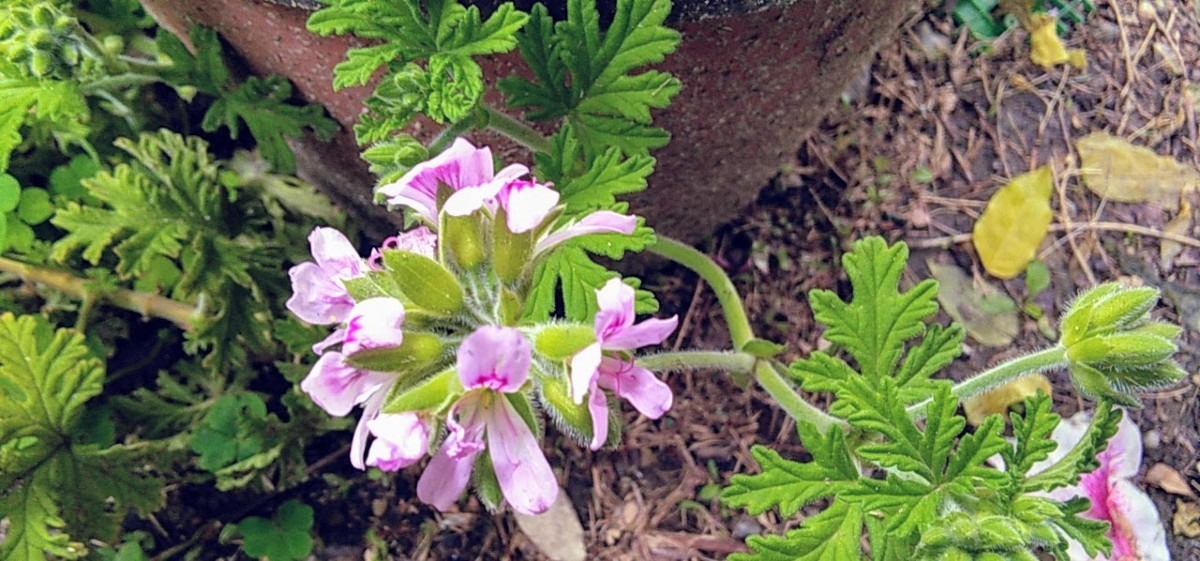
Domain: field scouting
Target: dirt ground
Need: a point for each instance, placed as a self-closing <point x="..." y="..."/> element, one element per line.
<point x="913" y="153"/>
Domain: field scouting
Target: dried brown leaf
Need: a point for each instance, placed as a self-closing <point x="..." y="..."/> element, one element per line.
<point x="1170" y="480"/>
<point x="988" y="315"/>
<point x="556" y="532"/>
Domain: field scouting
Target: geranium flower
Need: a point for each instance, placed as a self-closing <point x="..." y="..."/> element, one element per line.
<point x="401" y="440"/>
<point x="526" y="204"/>
<point x="492" y="362"/>
<point x="419" y="240"/>
<point x="592" y="370"/>
<point x="1135" y="530"/>
<point x="462" y="166"/>
<point x="318" y="296"/>
<point x="599" y="222"/>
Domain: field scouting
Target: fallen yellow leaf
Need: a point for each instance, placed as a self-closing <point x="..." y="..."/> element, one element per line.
<point x="1121" y="172"/>
<point x="1014" y="223"/>
<point x="1046" y="49"/>
<point x="997" y="400"/>
<point x="1187" y="520"/>
<point x="1168" y="250"/>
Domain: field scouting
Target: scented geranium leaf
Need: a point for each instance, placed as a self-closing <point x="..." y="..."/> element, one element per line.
<point x="58" y="103"/>
<point x="570" y="268"/>
<point x="1032" y="432"/>
<point x="52" y="486"/>
<point x="789" y="485"/>
<point x="261" y="103"/>
<point x="1090" y="533"/>
<point x="937" y="349"/>
<point x="832" y="535"/>
<point x="1082" y="458"/>
<point x="874" y="326"/>
<point x="608" y="176"/>
<point x="204" y="71"/>
<point x="361" y="63"/>
<point x="585" y="73"/>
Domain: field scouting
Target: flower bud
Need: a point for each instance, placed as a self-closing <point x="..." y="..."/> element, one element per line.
<point x="415" y="354"/>
<point x="1121" y="350"/>
<point x="463" y="240"/>
<point x="560" y="342"/>
<point x="425" y="282"/>
<point x="510" y="252"/>
<point x="41" y="64"/>
<point x="434" y="393"/>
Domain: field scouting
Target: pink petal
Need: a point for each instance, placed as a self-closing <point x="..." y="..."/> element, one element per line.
<point x="445" y="478"/>
<point x="648" y="394"/>
<point x="599" y="222"/>
<point x="1123" y="456"/>
<point x="462" y="165"/>
<point x="598" y="407"/>
<point x="335" y="254"/>
<point x="335" y="338"/>
<point x="466" y="433"/>
<point x="1136" y="533"/>
<point x="374" y="323"/>
<point x="649" y="332"/>
<point x="358" y="444"/>
<point x="583" y="370"/>
<point x="337" y="387"/>
<point x="527" y="204"/>
<point x="615" y="300"/>
<point x="525" y="477"/>
<point x="317" y="298"/>
<point x="419" y="240"/>
<point x="400" y="440"/>
<point x="496" y="358"/>
<point x="466" y="201"/>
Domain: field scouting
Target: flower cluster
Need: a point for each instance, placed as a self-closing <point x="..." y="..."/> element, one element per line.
<point x="429" y="336"/>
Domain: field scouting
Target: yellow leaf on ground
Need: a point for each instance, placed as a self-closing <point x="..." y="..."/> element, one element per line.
<point x="1046" y="49"/>
<point x="1121" y="172"/>
<point x="1187" y="519"/>
<point x="1014" y="223"/>
<point x="1181" y="225"/>
<point x="997" y="400"/>
<point x="986" y="314"/>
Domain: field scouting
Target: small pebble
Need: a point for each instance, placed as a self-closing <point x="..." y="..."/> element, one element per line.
<point x="1152" y="439"/>
<point x="746" y="526"/>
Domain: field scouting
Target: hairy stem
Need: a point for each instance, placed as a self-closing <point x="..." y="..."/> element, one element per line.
<point x="153" y="305"/>
<point x="518" y="131"/>
<point x="1045" y="359"/>
<point x="769" y="376"/>
<point x="443" y="140"/>
<point x="727" y="295"/>
<point x="699" y="360"/>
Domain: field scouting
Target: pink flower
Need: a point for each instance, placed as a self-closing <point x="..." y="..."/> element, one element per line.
<point x="526" y="204"/>
<point x="318" y="296"/>
<point x="592" y="370"/>
<point x="1136" y="532"/>
<point x="492" y="362"/>
<point x="401" y="439"/>
<point x="420" y="240"/>
<point x="374" y="323"/>
<point x="337" y="387"/>
<point x="599" y="222"/>
<point x="461" y="166"/>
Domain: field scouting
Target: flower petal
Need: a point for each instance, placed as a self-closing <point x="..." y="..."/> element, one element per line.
<point x="335" y="338"/>
<point x="615" y="301"/>
<point x="639" y="386"/>
<point x="337" y="387"/>
<point x="1137" y="532"/>
<point x="496" y="358"/>
<point x="445" y="478"/>
<point x="599" y="222"/>
<point x="400" y="440"/>
<point x="649" y="332"/>
<point x="583" y="370"/>
<point x="525" y="477"/>
<point x="460" y="166"/>
<point x="374" y="323"/>
<point x="420" y="240"/>
<point x="527" y="204"/>
<point x="335" y="254"/>
<point x="358" y="444"/>
<point x="317" y="298"/>
<point x="598" y="407"/>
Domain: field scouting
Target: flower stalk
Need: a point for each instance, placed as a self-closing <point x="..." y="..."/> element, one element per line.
<point x="727" y="294"/>
<point x="516" y="130"/>
<point x="1040" y="361"/>
<point x="152" y="305"/>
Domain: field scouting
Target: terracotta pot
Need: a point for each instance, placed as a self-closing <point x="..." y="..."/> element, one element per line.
<point x="757" y="75"/>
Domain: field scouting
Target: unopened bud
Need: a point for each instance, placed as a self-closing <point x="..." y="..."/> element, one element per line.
<point x="425" y="282"/>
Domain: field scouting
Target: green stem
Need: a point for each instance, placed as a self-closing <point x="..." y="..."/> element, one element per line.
<point x="724" y="361"/>
<point x="768" y="375"/>
<point x="727" y="295"/>
<point x="1045" y="359"/>
<point x="154" y="305"/>
<point x="119" y="81"/>
<point x="443" y="140"/>
<point x="518" y="131"/>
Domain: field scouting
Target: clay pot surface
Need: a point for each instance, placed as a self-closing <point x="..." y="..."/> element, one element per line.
<point x="754" y="83"/>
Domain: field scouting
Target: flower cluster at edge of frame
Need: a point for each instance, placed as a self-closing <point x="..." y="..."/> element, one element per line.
<point x="419" y="354"/>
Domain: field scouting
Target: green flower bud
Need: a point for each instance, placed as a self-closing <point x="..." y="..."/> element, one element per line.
<point x="39" y="39"/>
<point x="114" y="44"/>
<point x="435" y="393"/>
<point x="415" y="354"/>
<point x="1077" y="320"/>
<point x="1124" y="308"/>
<point x="69" y="54"/>
<point x="510" y="252"/>
<point x="44" y="15"/>
<point x="560" y="342"/>
<point x="41" y="64"/>
<point x="462" y="238"/>
<point x="511" y="306"/>
<point x="425" y="282"/>
<point x="1122" y="350"/>
<point x="1093" y="383"/>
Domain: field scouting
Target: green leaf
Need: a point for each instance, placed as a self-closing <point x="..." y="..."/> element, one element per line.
<point x="608" y="177"/>
<point x="1032" y="432"/>
<point x="65" y="179"/>
<point x="35" y="206"/>
<point x="59" y="103"/>
<point x="1082" y="458"/>
<point x="586" y="74"/>
<point x="832" y="535"/>
<point x="424" y="281"/>
<point x="262" y="104"/>
<point x="286" y="537"/>
<point x="789" y="485"/>
<point x="204" y="71"/>
<point x="570" y="267"/>
<point x="226" y="434"/>
<point x="875" y="324"/>
<point x="10" y="193"/>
